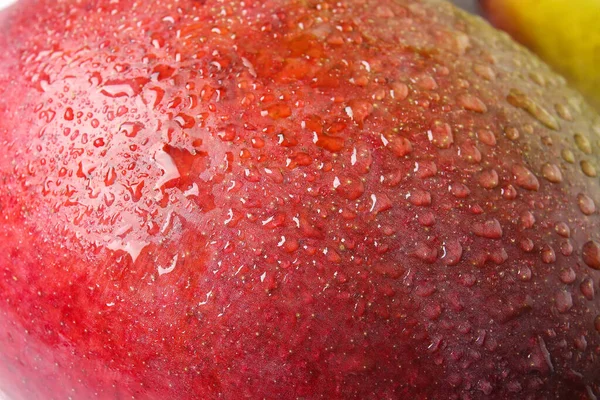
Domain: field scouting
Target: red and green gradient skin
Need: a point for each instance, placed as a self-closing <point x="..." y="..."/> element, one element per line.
<point x="357" y="199"/>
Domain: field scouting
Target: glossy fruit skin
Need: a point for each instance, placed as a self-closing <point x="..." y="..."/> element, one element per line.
<point x="291" y="199"/>
<point x="563" y="33"/>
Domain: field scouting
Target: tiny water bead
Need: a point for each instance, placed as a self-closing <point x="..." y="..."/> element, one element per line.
<point x="588" y="168"/>
<point x="471" y="103"/>
<point x="525" y="178"/>
<point x="586" y="204"/>
<point x="552" y="173"/>
<point x="567" y="275"/>
<point x="564" y="301"/>
<point x="490" y="229"/>
<point x="583" y="144"/>
<point x="590" y="253"/>
<point x="489" y="179"/>
<point x="562" y="229"/>
<point x="441" y="135"/>
<point x="587" y="288"/>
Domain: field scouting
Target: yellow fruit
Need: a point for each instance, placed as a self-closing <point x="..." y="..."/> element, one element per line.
<point x="565" y="33"/>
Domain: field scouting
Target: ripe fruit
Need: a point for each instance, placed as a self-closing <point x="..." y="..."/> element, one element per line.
<point x="368" y="199"/>
<point x="563" y="33"/>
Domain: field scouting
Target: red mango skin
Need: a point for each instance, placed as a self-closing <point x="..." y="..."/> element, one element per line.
<point x="275" y="199"/>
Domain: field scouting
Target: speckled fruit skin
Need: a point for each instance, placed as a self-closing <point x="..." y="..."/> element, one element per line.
<point x="354" y="199"/>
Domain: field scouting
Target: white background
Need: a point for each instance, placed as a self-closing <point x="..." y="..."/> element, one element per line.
<point x="4" y="3"/>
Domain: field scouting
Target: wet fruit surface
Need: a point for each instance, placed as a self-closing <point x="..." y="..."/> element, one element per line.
<point x="291" y="199"/>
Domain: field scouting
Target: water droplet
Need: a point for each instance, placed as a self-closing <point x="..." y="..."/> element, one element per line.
<point x="514" y="387"/>
<point x="166" y="163"/>
<point x="597" y="323"/>
<point x="279" y="111"/>
<point x="400" y="146"/>
<point x="185" y="121"/>
<point x="568" y="156"/>
<point x="303" y="159"/>
<point x="425" y="253"/>
<point x="420" y="198"/>
<point x="359" y="110"/>
<point x="471" y="103"/>
<point x="392" y="270"/>
<point x="452" y="252"/>
<point x="484" y="71"/>
<point x="330" y="143"/>
<point x="539" y="359"/>
<point x="489" y="179"/>
<point x="583" y="143"/>
<point x="425" y="289"/>
<point x="399" y="91"/>
<point x="537" y="78"/>
<point x="131" y="129"/>
<point x="526" y="245"/>
<point x="170" y="268"/>
<point x="587" y="288"/>
<point x="490" y="229"/>
<point x="162" y="72"/>
<point x="567" y="275"/>
<point x="131" y="247"/>
<point x="586" y="204"/>
<point x="110" y="176"/>
<point x="121" y="88"/>
<point x="562" y="229"/>
<point x="524" y="273"/>
<point x="509" y="192"/>
<point x="512" y="133"/>
<point x="470" y="153"/>
<point x="427" y="219"/>
<point x="441" y="135"/>
<point x="109" y="198"/>
<point x="69" y="114"/>
<point x="351" y="188"/>
<point x="426" y="82"/>
<point x="564" y="301"/>
<point x="459" y="190"/>
<point x="487" y="137"/>
<point x="527" y="220"/>
<point x="590" y="253"/>
<point x="563" y="112"/>
<point x="425" y="169"/>
<point x="588" y="169"/>
<point x="485" y="387"/>
<point x="566" y="247"/>
<point x="552" y="173"/>
<point x="432" y="311"/>
<point x="47" y="116"/>
<point x="580" y="343"/>
<point x="525" y="178"/>
<point x="548" y="254"/>
<point x="454" y="380"/>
